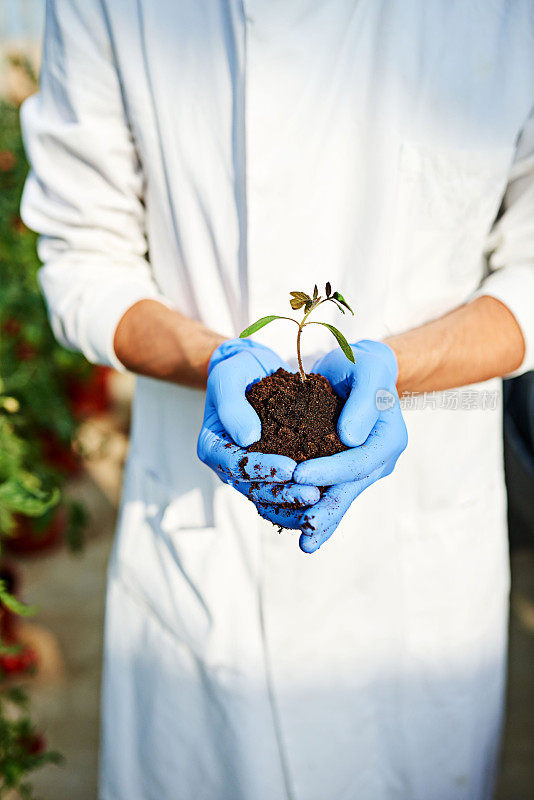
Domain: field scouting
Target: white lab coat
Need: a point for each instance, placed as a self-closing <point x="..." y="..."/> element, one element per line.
<point x="215" y="155"/>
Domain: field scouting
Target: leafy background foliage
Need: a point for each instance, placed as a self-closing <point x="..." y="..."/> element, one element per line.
<point x="35" y="374"/>
<point x="34" y="369"/>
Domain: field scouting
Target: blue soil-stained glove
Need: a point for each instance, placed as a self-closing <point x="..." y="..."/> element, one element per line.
<point x="231" y="424"/>
<point x="371" y="425"/>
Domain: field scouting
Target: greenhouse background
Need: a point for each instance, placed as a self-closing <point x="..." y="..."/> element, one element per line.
<point x="63" y="440"/>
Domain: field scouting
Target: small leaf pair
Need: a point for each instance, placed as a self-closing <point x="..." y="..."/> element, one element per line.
<point x="299" y="299"/>
<point x="309" y="303"/>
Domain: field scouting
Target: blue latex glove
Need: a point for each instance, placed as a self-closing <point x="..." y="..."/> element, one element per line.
<point x="371" y="425"/>
<point x="231" y="424"/>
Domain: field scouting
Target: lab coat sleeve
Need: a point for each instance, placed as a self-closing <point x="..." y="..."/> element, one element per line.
<point x="510" y="245"/>
<point x="84" y="191"/>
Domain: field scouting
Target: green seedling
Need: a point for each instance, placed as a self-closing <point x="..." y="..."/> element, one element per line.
<point x="308" y="304"/>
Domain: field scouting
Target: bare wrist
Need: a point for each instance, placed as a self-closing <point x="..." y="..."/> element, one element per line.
<point x="152" y="339"/>
<point x="416" y="368"/>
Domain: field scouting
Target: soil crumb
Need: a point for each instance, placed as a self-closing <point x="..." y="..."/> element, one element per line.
<point x="298" y="420"/>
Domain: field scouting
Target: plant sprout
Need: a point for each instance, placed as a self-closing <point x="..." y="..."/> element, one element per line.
<point x="309" y="304"/>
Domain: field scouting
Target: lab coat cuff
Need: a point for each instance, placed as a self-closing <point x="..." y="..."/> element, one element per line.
<point x="514" y="287"/>
<point x="104" y="320"/>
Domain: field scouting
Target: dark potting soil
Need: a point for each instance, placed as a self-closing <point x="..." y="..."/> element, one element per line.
<point x="298" y="420"/>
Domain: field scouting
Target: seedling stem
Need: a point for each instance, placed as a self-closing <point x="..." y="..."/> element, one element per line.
<point x="303" y="300"/>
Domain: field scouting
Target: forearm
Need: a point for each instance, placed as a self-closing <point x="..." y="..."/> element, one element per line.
<point x="154" y="340"/>
<point x="473" y="343"/>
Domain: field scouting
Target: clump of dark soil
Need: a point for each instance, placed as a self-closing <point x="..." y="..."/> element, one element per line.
<point x="298" y="420"/>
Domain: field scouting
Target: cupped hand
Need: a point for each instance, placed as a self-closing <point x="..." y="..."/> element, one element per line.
<point x="370" y="425"/>
<point x="320" y="519"/>
<point x="230" y="425"/>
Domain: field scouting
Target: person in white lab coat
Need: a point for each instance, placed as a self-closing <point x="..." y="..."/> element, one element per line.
<point x="192" y="162"/>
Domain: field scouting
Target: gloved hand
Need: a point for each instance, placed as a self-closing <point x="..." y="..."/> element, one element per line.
<point x="231" y="424"/>
<point x="371" y="425"/>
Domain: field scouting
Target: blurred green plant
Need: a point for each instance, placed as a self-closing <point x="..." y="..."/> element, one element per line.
<point x="22" y="748"/>
<point x="36" y="421"/>
<point x="34" y="367"/>
<point x="35" y="370"/>
<point x="21" y="491"/>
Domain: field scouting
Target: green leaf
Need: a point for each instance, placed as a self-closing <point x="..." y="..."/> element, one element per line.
<point x="7" y="521"/>
<point x="299" y="299"/>
<point x="260" y="323"/>
<point x="342" y="342"/>
<point x="297" y="303"/>
<point x="13" y="604"/>
<point x="300" y="296"/>
<point x="9" y="649"/>
<point x="338" y="306"/>
<point x="24" y="498"/>
<point x="339" y="297"/>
